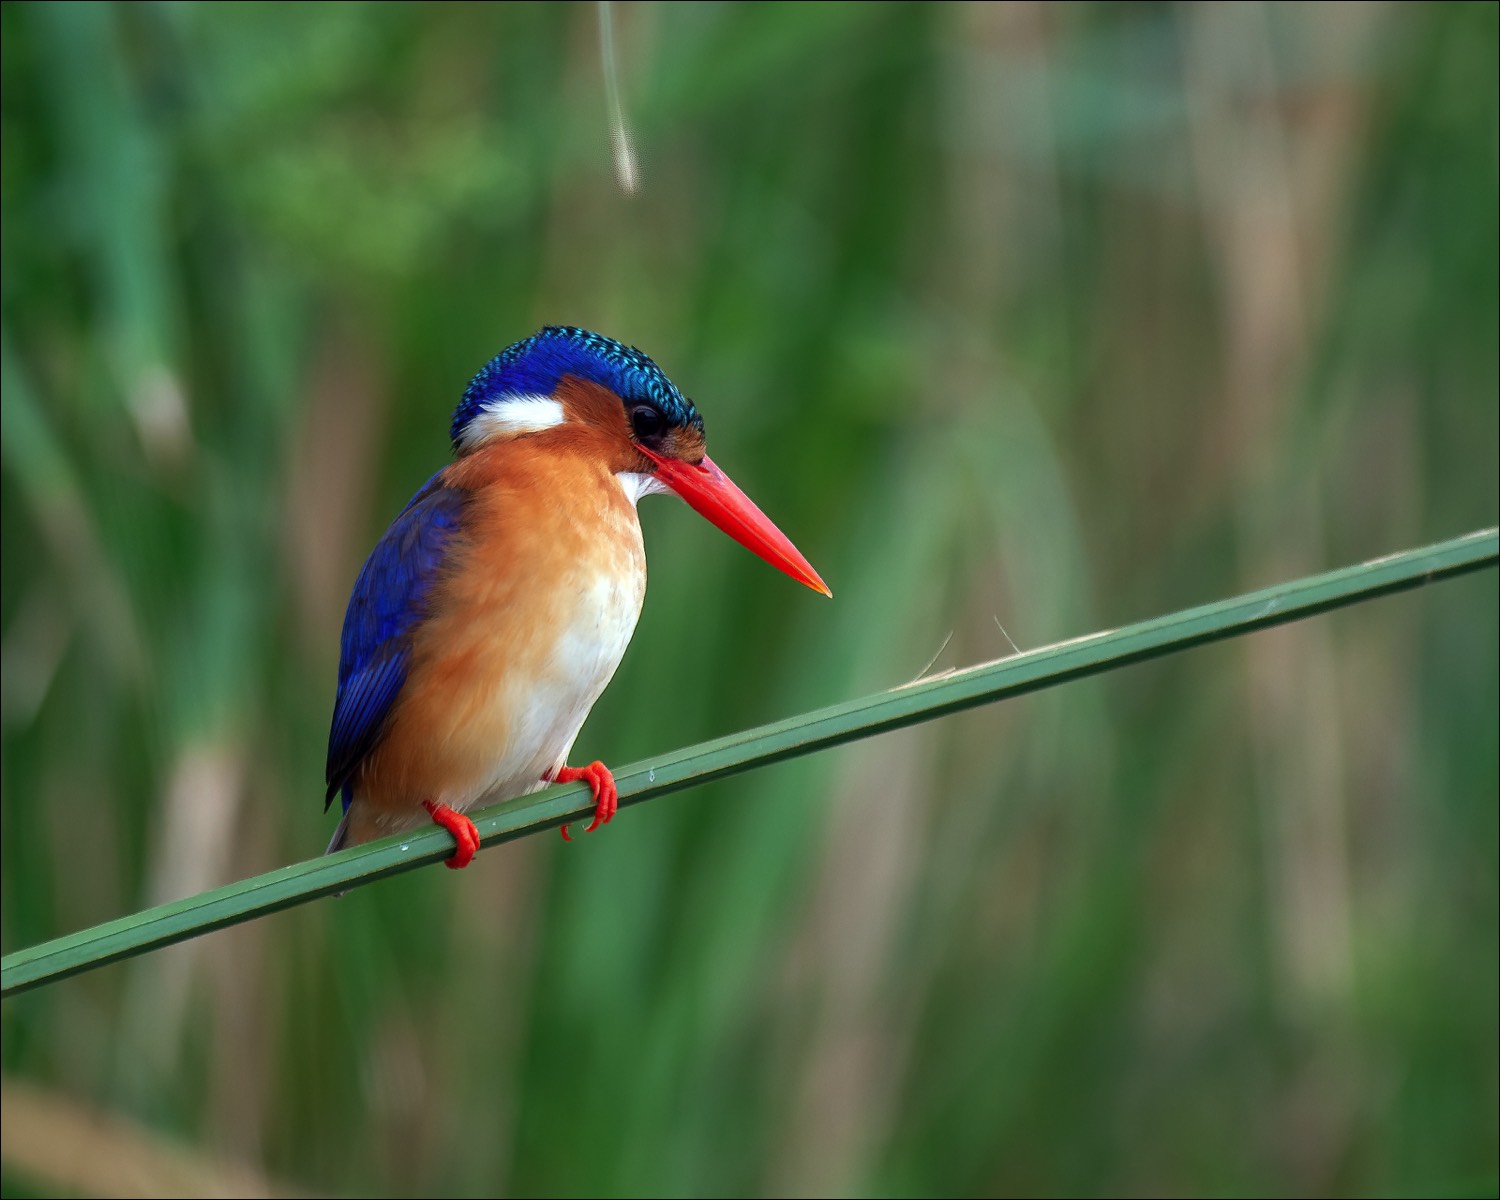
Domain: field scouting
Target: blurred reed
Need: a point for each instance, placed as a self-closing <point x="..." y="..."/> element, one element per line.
<point x="1052" y="315"/>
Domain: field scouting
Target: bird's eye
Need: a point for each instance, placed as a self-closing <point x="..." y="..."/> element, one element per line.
<point x="646" y="421"/>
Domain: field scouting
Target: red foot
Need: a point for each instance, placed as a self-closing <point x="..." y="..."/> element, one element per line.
<point x="606" y="795"/>
<point x="461" y="828"/>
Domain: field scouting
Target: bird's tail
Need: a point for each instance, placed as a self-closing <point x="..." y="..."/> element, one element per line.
<point x="340" y="835"/>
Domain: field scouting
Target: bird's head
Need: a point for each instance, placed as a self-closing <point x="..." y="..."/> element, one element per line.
<point x="617" y="402"/>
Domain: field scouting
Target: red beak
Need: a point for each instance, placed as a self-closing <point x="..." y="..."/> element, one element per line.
<point x="712" y="494"/>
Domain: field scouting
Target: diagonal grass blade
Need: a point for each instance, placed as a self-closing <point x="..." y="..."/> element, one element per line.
<point x="924" y="700"/>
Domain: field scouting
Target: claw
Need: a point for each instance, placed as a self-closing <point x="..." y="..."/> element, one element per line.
<point x="464" y="833"/>
<point x="606" y="794"/>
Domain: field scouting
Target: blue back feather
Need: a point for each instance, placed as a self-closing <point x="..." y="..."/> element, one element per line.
<point x="534" y="366"/>
<point x="389" y="599"/>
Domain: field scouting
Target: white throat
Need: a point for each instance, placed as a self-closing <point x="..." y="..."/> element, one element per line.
<point x="636" y="484"/>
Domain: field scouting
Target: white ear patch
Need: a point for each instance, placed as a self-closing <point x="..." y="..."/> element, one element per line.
<point x="636" y="485"/>
<point x="512" y="415"/>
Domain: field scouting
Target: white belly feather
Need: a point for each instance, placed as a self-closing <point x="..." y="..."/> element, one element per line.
<point x="547" y="709"/>
<point x="547" y="716"/>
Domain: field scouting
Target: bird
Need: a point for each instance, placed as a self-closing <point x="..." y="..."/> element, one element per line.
<point x="492" y="613"/>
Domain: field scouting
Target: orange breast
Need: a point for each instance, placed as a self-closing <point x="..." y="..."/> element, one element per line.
<point x="528" y="624"/>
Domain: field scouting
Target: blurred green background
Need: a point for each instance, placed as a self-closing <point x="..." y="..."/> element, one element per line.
<point x="1042" y="317"/>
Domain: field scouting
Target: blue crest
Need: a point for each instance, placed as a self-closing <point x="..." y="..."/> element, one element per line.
<point x="534" y="367"/>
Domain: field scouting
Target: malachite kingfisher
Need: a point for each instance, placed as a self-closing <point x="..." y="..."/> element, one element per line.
<point x="491" y="615"/>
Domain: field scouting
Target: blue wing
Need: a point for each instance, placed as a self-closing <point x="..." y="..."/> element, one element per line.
<point x="389" y="599"/>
